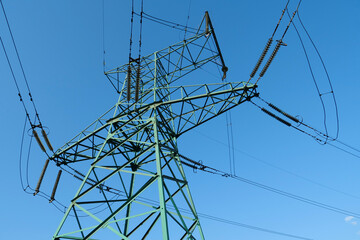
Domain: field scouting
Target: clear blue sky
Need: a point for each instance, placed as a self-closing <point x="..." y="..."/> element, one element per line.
<point x="61" y="47"/>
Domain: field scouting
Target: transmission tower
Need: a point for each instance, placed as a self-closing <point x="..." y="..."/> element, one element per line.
<point x="135" y="168"/>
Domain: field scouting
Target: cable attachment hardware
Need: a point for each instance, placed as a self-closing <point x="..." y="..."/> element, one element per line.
<point x="282" y="43"/>
<point x="52" y="198"/>
<point x="197" y="166"/>
<point x="37" y="189"/>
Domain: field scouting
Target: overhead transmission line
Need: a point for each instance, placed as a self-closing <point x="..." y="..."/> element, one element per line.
<point x="230" y="222"/>
<point x="319" y="136"/>
<point x="33" y="124"/>
<point x="22" y="69"/>
<point x="36" y="123"/>
<point x="167" y="23"/>
<point x="282" y="169"/>
<point x="117" y="193"/>
<point x="199" y="166"/>
<point x="320" y="94"/>
<point x="327" y="76"/>
<point x="16" y="83"/>
<point x="187" y="20"/>
<point x="103" y="34"/>
<point x="202" y="166"/>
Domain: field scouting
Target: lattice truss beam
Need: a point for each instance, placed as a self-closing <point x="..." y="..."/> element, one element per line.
<point x="147" y="159"/>
<point x="132" y="149"/>
<point x="199" y="104"/>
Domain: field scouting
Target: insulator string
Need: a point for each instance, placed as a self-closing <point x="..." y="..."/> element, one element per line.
<point x="268" y="44"/>
<point x="320" y="137"/>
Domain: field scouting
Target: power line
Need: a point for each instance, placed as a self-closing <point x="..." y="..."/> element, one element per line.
<point x="131" y="28"/>
<point x="103" y="34"/>
<point x="141" y="27"/>
<point x="276" y="49"/>
<point x="118" y="193"/>
<point x="62" y="208"/>
<point x="37" y="122"/>
<point x="327" y="75"/>
<point x="230" y="139"/>
<point x="235" y="223"/>
<point x="16" y="83"/>
<point x="170" y="22"/>
<point x="199" y="166"/>
<point x="314" y="80"/>
<point x="282" y="169"/>
<point x="167" y="23"/>
<point x="187" y="20"/>
<point x="319" y="137"/>
<point x="21" y="65"/>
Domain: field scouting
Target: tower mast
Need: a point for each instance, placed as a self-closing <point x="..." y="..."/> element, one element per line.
<point x="132" y="150"/>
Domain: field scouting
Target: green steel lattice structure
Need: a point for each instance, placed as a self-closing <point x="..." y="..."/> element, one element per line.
<point x="135" y="169"/>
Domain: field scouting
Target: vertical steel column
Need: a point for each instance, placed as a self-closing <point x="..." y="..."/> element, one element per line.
<point x="155" y="78"/>
<point x="164" y="223"/>
<point x="177" y="158"/>
<point x="128" y="209"/>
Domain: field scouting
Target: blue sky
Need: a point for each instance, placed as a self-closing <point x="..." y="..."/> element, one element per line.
<point x="61" y="47"/>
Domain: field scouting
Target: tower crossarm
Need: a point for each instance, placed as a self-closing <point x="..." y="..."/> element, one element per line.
<point x="175" y="62"/>
<point x="184" y="108"/>
<point x="112" y="132"/>
<point x="191" y="106"/>
<point x="168" y="66"/>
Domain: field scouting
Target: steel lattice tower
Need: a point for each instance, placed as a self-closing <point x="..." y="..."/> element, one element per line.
<point x="132" y="149"/>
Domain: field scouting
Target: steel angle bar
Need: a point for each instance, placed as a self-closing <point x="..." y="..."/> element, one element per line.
<point x="100" y="221"/>
<point x="108" y="176"/>
<point x="130" y="199"/>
